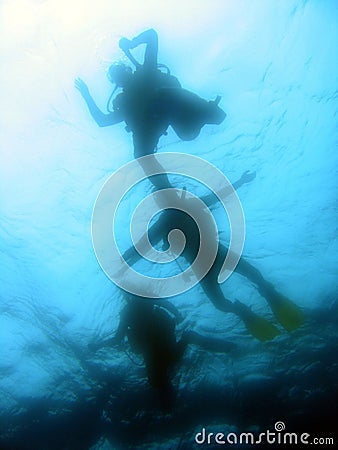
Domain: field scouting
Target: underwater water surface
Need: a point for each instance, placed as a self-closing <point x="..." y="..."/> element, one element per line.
<point x="275" y="65"/>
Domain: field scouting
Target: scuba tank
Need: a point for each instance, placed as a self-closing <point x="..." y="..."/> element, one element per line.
<point x="163" y="79"/>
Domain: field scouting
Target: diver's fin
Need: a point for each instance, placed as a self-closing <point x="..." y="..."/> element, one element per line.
<point x="288" y="314"/>
<point x="259" y="327"/>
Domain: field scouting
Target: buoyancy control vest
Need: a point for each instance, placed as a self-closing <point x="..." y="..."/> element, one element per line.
<point x="143" y="79"/>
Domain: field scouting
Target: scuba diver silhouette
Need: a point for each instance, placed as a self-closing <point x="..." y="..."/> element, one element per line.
<point x="150" y="328"/>
<point x="284" y="310"/>
<point x="150" y="101"/>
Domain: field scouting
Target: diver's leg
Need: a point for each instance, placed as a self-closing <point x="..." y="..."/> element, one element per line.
<point x="257" y="326"/>
<point x="265" y="288"/>
<point x="253" y="274"/>
<point x="286" y="312"/>
<point x="145" y="145"/>
<point x="157" y="373"/>
<point x="151" y="165"/>
<point x="208" y="343"/>
<point x="215" y="295"/>
<point x="248" y="271"/>
<point x="159" y="379"/>
<point x="212" y="288"/>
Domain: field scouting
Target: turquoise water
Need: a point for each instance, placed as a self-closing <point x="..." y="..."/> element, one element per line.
<point x="274" y="64"/>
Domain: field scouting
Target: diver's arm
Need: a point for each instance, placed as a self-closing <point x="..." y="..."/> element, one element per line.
<point x="171" y="308"/>
<point x="103" y="120"/>
<point x="246" y="177"/>
<point x="122" y="327"/>
<point x="148" y="37"/>
<point x="154" y="233"/>
<point x="118" y="336"/>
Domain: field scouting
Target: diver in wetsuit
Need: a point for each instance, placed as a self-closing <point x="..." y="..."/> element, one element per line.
<point x="150" y="328"/>
<point x="285" y="311"/>
<point x="151" y="101"/>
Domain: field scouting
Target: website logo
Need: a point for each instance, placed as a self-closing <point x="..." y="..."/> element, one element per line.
<point x="163" y="202"/>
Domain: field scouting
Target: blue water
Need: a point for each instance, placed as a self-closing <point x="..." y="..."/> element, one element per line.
<point x="275" y="66"/>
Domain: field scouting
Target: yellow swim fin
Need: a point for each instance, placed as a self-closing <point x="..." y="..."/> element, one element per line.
<point x="259" y="327"/>
<point x="288" y="314"/>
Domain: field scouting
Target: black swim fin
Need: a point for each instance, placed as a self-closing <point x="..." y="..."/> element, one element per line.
<point x="259" y="327"/>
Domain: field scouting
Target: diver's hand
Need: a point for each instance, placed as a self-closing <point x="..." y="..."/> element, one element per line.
<point x="247" y="176"/>
<point x="125" y="44"/>
<point x="82" y="87"/>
